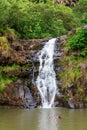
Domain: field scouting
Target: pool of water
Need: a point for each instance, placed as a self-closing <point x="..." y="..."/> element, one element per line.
<point x="43" y="119"/>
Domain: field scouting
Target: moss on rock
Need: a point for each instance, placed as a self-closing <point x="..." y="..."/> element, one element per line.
<point x="5" y="49"/>
<point x="73" y="75"/>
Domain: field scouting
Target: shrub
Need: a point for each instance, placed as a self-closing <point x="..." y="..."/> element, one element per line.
<point x="39" y="21"/>
<point x="77" y="44"/>
<point x="5" y="49"/>
<point x="5" y="79"/>
<point x="84" y="18"/>
<point x="78" y="41"/>
<point x="31" y="20"/>
<point x="81" y="7"/>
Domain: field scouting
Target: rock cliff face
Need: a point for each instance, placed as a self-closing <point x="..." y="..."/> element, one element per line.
<point x="70" y="3"/>
<point x="16" y="72"/>
<point x="73" y="77"/>
<point x="22" y="92"/>
<point x="20" y="68"/>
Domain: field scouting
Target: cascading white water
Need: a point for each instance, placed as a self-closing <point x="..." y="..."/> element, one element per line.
<point x="46" y="80"/>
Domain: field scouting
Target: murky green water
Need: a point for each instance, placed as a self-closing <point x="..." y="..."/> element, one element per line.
<point x="43" y="119"/>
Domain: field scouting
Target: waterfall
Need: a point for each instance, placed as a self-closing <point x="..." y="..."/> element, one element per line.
<point x="46" y="80"/>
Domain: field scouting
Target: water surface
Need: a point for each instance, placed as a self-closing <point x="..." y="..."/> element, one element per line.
<point x="43" y="119"/>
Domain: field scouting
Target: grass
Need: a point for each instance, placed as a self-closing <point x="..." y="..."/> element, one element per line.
<point x="4" y="78"/>
<point x="4" y="82"/>
<point x="5" y="48"/>
<point x="74" y="73"/>
<point x="9" y="68"/>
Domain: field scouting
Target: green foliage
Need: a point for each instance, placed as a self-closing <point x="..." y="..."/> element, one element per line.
<point x="78" y="41"/>
<point x="84" y="52"/>
<point x="3" y="82"/>
<point x="66" y="97"/>
<point x="8" y="68"/>
<point x="74" y="63"/>
<point x="10" y="73"/>
<point x="84" y="19"/>
<point x="3" y="16"/>
<point x="4" y="78"/>
<point x="80" y="11"/>
<point x="31" y="20"/>
<point x="38" y="23"/>
<point x="67" y="16"/>
<point x="81" y="7"/>
<point x="5" y="49"/>
<point x="71" y="72"/>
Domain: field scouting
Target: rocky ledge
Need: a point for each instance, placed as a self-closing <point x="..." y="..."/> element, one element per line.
<point x="70" y="3"/>
<point x="19" y="69"/>
<point x="16" y="72"/>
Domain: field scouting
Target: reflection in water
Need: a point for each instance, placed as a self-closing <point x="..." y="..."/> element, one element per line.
<point x="48" y="119"/>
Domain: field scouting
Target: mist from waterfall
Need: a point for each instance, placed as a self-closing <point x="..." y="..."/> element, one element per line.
<point x="46" y="80"/>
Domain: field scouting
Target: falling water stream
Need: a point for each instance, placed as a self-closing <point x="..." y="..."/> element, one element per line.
<point x="46" y="80"/>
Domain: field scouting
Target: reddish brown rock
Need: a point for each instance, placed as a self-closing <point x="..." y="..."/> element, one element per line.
<point x="70" y="3"/>
<point x="12" y="96"/>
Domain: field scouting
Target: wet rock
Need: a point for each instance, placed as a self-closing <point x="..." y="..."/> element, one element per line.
<point x="81" y="105"/>
<point x="62" y="39"/>
<point x="30" y="103"/>
<point x="71" y="104"/>
<point x="17" y="95"/>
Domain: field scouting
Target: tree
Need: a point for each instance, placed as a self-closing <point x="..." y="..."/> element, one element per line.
<point x="81" y="7"/>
